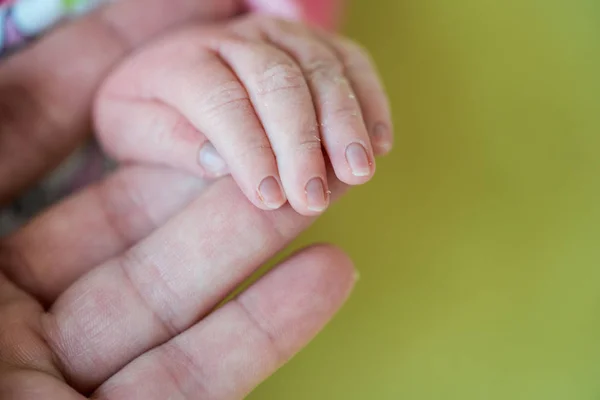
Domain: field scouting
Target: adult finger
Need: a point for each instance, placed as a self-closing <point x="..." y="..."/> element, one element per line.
<point x="46" y="90"/>
<point x="166" y="283"/>
<point x="55" y="249"/>
<point x="231" y="351"/>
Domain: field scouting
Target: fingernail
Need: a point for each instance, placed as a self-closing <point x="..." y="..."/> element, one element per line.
<point x="381" y="139"/>
<point x="357" y="158"/>
<point x="317" y="198"/>
<point x="270" y="193"/>
<point x="211" y="161"/>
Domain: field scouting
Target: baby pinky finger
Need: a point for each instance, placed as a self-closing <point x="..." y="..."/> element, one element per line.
<point x="366" y="83"/>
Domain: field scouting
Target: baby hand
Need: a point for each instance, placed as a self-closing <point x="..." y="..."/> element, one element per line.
<point x="276" y="100"/>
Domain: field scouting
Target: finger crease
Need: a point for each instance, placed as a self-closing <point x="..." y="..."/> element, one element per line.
<point x="175" y="356"/>
<point x="279" y="354"/>
<point x="130" y="259"/>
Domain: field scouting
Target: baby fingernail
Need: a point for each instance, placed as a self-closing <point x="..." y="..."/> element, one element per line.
<point x="270" y="193"/>
<point x="357" y="158"/>
<point x="381" y="139"/>
<point x="211" y="160"/>
<point x="317" y="197"/>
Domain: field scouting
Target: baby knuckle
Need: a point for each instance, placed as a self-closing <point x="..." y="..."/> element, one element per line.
<point x="257" y="149"/>
<point x="320" y="69"/>
<point x="343" y="112"/>
<point x="310" y="145"/>
<point x="280" y="78"/>
<point x="227" y="98"/>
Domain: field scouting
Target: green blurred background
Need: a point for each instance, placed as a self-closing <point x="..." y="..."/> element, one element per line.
<point x="478" y="242"/>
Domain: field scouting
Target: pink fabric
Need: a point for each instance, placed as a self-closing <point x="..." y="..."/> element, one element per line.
<point x="323" y="13"/>
<point x="12" y="36"/>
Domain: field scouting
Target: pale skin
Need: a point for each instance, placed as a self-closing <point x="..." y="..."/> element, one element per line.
<point x="102" y="297"/>
<point x="276" y="100"/>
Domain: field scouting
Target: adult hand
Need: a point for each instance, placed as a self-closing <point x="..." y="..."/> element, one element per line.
<point x="95" y="299"/>
<point x="139" y="324"/>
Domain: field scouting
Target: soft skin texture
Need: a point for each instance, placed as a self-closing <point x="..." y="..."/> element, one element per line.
<point x="101" y="295"/>
<point x="276" y="99"/>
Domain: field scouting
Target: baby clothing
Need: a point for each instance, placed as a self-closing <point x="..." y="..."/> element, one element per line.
<point x="22" y="20"/>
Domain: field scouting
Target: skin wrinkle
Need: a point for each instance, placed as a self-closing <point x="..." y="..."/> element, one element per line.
<point x="163" y="311"/>
<point x="279" y="355"/>
<point x="174" y="355"/>
<point x="59" y="345"/>
<point x="165" y="323"/>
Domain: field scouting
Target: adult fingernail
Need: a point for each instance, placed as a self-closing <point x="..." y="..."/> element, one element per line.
<point x="211" y="160"/>
<point x="270" y="193"/>
<point x="357" y="158"/>
<point x="317" y="197"/>
<point x="381" y="138"/>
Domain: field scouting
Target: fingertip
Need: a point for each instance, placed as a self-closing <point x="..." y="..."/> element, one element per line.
<point x="211" y="161"/>
<point x="382" y="150"/>
<point x="270" y="194"/>
<point x="382" y="139"/>
<point x="357" y="165"/>
<point x="340" y="261"/>
<point x="317" y="195"/>
<point x="359" y="160"/>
